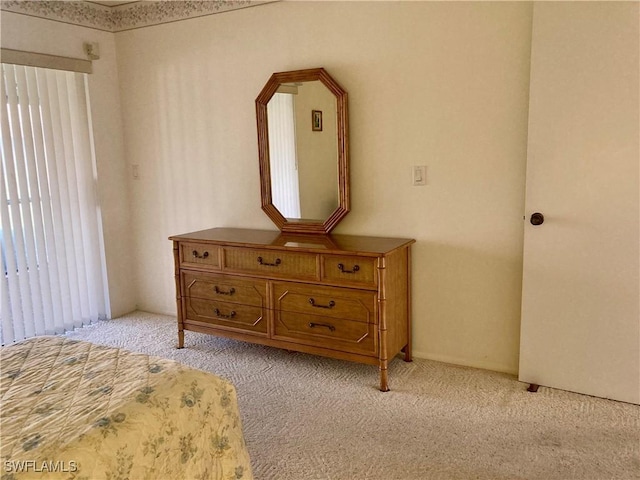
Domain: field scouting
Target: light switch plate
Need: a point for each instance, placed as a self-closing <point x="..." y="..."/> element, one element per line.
<point x="419" y="175"/>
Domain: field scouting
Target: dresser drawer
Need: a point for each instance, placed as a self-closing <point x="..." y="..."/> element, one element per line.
<point x="272" y="262"/>
<point x="346" y="269"/>
<point x="226" y="289"/>
<point x="231" y="316"/>
<point x="199" y="254"/>
<point x="331" y="302"/>
<point x="326" y="332"/>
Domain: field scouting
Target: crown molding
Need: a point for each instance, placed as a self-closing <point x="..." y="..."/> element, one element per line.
<point x="127" y="16"/>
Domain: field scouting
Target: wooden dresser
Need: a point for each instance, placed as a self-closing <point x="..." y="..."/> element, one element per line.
<point x="341" y="296"/>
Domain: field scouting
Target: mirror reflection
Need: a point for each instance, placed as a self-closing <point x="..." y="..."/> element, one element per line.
<point x="303" y="150"/>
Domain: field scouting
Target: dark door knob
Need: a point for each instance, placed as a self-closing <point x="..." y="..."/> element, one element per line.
<point x="537" y="219"/>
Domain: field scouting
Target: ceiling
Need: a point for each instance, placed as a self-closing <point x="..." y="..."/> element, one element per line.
<point x="121" y="15"/>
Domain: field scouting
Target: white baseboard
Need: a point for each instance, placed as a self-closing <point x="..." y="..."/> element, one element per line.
<point x="495" y="367"/>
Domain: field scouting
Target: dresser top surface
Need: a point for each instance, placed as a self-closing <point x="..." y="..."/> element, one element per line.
<point x="354" y="244"/>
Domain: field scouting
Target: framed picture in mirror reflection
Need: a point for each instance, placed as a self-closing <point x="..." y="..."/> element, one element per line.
<point x="316" y="120"/>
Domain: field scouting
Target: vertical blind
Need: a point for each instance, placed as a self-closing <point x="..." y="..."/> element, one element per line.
<point x="52" y="249"/>
<point x="282" y="155"/>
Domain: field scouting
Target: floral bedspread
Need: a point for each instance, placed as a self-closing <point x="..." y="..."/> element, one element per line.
<point x="76" y="410"/>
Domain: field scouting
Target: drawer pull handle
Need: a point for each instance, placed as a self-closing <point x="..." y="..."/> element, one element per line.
<point x="222" y="292"/>
<point x="313" y="304"/>
<point x="195" y="254"/>
<point x="266" y="264"/>
<point x="222" y="315"/>
<point x="325" y="325"/>
<point x="341" y="268"/>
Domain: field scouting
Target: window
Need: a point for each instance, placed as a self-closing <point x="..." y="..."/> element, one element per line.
<point x="51" y="235"/>
<point x="282" y="155"/>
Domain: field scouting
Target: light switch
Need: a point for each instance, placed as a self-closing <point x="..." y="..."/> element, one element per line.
<point x="135" y="171"/>
<point x="419" y="175"/>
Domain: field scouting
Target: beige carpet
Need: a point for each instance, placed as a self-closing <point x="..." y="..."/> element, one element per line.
<point x="308" y="417"/>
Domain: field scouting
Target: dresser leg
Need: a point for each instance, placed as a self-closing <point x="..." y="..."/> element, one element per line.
<point x="407" y="353"/>
<point x="180" y="338"/>
<point x="384" y="379"/>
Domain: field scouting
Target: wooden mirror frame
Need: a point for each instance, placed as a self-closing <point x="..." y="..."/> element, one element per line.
<point x="303" y="226"/>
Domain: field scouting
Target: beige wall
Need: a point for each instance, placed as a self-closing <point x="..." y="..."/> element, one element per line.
<point x="430" y="83"/>
<point x="442" y="84"/>
<point x="20" y="32"/>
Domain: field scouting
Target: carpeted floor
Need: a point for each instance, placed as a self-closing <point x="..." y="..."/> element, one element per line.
<point x="307" y="417"/>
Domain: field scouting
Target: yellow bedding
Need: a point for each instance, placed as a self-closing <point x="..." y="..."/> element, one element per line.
<point x="76" y="410"/>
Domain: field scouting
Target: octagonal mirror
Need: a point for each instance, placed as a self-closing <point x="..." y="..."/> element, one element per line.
<point x="303" y="151"/>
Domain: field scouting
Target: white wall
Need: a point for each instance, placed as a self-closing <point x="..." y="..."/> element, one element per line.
<point x="442" y="84"/>
<point x="31" y="34"/>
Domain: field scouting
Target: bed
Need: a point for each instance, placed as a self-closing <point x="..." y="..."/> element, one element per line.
<point x="72" y="409"/>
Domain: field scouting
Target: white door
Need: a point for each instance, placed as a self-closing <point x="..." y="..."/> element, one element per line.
<point x="581" y="290"/>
